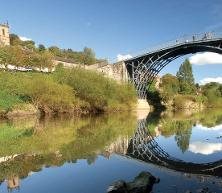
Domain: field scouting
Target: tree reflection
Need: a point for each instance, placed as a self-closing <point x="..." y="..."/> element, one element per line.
<point x="182" y="138"/>
<point x="180" y="124"/>
<point x="29" y="145"/>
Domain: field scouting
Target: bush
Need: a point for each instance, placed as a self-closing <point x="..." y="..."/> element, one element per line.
<point x="39" y="89"/>
<point x="64" y="91"/>
<point x="212" y="91"/>
<point x="101" y="93"/>
<point x="23" y="57"/>
<point x="184" y="101"/>
<point x="49" y="95"/>
<point x="169" y="87"/>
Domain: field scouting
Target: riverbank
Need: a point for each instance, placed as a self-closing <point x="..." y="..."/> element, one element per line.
<point x="73" y="91"/>
<point x="165" y="93"/>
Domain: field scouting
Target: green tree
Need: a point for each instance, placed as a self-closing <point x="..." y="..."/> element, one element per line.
<point x="21" y="57"/>
<point x="169" y="86"/>
<point x="213" y="92"/>
<point x="55" y="50"/>
<point x="182" y="138"/>
<point x="14" y="40"/>
<point x="5" y="55"/>
<point x="16" y="56"/>
<point x="88" y="56"/>
<point x="41" y="48"/>
<point x="186" y="78"/>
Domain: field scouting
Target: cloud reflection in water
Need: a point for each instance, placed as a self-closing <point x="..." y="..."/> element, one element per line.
<point x="205" y="148"/>
<point x="216" y="128"/>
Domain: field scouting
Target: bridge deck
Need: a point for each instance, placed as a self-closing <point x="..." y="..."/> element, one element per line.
<point x="188" y="40"/>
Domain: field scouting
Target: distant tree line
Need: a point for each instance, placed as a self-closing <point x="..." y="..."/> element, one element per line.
<point x="25" y="57"/>
<point x="26" y="54"/>
<point x="180" y="88"/>
<point x="86" y="57"/>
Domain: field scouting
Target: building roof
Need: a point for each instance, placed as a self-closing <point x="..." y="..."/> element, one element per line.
<point x="4" y="25"/>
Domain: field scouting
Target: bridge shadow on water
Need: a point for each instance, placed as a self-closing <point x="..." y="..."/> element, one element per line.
<point x="144" y="147"/>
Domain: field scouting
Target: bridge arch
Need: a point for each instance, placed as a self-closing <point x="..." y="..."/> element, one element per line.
<point x="143" y="69"/>
<point x="144" y="147"/>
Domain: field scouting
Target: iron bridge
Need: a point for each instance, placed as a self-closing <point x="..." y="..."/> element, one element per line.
<point x="142" y="69"/>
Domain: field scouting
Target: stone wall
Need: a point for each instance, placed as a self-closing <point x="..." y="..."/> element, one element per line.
<point x="116" y="71"/>
<point x="66" y="64"/>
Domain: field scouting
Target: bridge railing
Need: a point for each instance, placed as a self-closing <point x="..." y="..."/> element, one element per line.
<point x="181" y="41"/>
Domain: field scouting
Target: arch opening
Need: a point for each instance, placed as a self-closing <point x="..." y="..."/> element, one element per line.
<point x="143" y="70"/>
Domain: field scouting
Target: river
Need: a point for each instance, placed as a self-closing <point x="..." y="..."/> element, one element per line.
<point x="72" y="155"/>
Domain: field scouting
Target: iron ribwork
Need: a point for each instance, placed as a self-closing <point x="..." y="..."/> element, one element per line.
<point x="144" y="147"/>
<point x="143" y="69"/>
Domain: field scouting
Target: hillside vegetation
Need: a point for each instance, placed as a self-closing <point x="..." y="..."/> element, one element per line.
<point x="85" y="57"/>
<point x="65" y="90"/>
<point x="25" y="54"/>
<point x="61" y="91"/>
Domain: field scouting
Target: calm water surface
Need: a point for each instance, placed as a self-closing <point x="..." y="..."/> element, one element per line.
<point x="87" y="155"/>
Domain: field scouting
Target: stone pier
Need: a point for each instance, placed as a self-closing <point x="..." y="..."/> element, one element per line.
<point x="142" y="109"/>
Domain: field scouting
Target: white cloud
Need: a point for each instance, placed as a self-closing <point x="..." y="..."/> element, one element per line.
<point x="208" y="79"/>
<point x="206" y="58"/>
<point x="216" y="128"/>
<point x="24" y="38"/>
<point x="205" y="148"/>
<point x="121" y="57"/>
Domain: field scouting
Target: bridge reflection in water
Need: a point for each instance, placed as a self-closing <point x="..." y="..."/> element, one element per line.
<point x="143" y="147"/>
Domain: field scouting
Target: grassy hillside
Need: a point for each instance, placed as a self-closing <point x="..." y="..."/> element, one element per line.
<point x="65" y="90"/>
